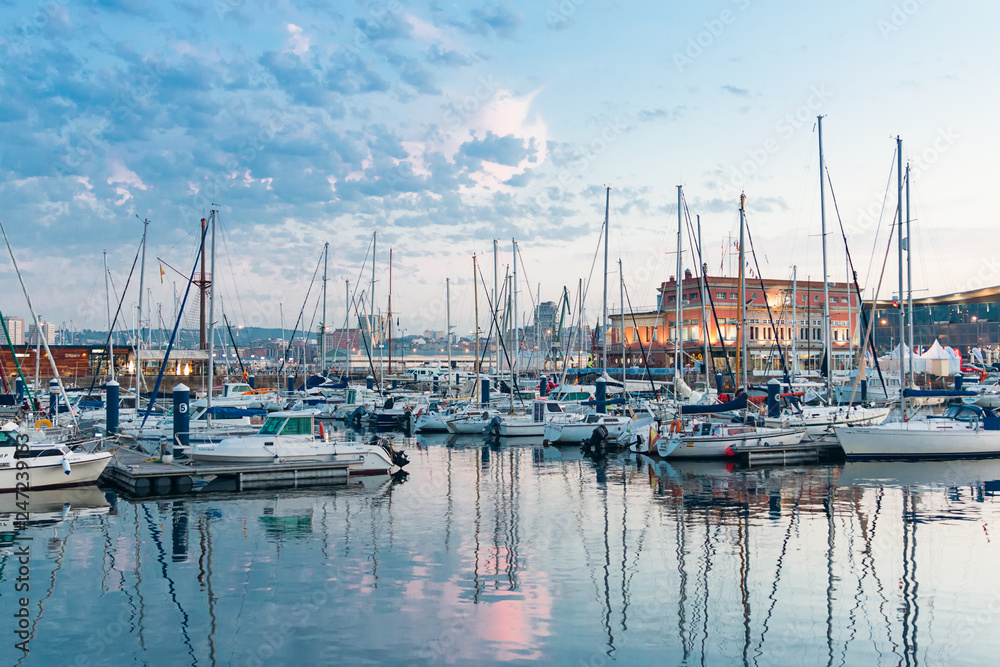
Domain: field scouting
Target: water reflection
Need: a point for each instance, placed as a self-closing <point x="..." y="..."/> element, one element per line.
<point x="504" y="552"/>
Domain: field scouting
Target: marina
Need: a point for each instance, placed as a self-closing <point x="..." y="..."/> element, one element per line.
<point x="497" y="332"/>
<point x="506" y="553"/>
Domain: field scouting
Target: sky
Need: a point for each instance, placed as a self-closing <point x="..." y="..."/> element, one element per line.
<point x="444" y="126"/>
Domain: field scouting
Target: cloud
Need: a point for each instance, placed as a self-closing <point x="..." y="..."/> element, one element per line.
<point x="498" y="19"/>
<point x="297" y="42"/>
<point x="740" y="92"/>
<point x="507" y="150"/>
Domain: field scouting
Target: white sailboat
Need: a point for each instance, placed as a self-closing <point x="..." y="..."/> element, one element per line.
<point x="44" y="465"/>
<point x="962" y="431"/>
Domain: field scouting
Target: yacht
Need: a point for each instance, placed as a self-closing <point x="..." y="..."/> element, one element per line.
<point x="962" y="431"/>
<point x="289" y="436"/>
<point x="33" y="465"/>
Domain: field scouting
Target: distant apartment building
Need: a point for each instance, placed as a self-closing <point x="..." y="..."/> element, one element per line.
<point x="48" y="330"/>
<point x="15" y="329"/>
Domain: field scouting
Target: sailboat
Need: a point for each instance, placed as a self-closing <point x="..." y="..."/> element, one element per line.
<point x="962" y="431"/>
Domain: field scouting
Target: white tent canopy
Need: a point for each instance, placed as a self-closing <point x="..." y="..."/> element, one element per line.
<point x="891" y="361"/>
<point x="940" y="361"/>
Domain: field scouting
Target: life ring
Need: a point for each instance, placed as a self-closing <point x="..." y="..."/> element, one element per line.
<point x="676" y="426"/>
<point x="43" y="422"/>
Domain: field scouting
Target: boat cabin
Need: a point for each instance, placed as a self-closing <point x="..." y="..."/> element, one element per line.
<point x="539" y="410"/>
<point x="288" y="423"/>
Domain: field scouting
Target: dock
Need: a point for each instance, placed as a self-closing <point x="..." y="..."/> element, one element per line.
<point x="137" y="474"/>
<point x="804" y="452"/>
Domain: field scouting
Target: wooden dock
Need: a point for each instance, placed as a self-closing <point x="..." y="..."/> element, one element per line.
<point x="137" y="474"/>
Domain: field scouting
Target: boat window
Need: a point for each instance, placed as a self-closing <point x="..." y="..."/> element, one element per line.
<point x="552" y="407"/>
<point x="706" y="429"/>
<point x="30" y="454"/>
<point x="6" y="439"/>
<point x="298" y="426"/>
<point x="272" y="426"/>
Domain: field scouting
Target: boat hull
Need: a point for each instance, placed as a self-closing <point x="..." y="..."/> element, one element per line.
<point x="694" y="447"/>
<point x="48" y="474"/>
<point x="918" y="440"/>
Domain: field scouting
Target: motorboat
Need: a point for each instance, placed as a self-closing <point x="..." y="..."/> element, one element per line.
<point x="571" y="428"/>
<point x="962" y="431"/>
<point x="290" y="436"/>
<point x="36" y="464"/>
<point x="542" y="412"/>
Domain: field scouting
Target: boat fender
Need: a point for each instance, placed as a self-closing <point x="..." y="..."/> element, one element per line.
<point x="65" y="466"/>
<point x="676" y="426"/>
<point x="729" y="451"/>
<point x="43" y="423"/>
<point x="322" y="433"/>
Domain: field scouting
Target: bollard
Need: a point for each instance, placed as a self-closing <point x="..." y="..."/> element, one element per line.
<point x="484" y="398"/>
<point x="53" y="400"/>
<point x="251" y="381"/>
<point x="602" y="396"/>
<point x="291" y="384"/>
<point x="773" y="389"/>
<point x="864" y="391"/>
<point x="111" y="407"/>
<point x="959" y="379"/>
<point x="370" y="382"/>
<point x="19" y="384"/>
<point x="182" y="422"/>
<point x="543" y="387"/>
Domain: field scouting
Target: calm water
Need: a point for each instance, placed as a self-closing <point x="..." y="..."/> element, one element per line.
<point x="524" y="553"/>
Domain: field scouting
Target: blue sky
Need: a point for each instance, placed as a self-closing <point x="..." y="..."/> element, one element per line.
<point x="444" y="126"/>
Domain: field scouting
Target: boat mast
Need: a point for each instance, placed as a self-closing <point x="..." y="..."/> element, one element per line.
<point x="517" y="338"/>
<point x="909" y="274"/>
<point x="447" y="300"/>
<point x="496" y="311"/>
<point x="742" y="367"/>
<point x="211" y="327"/>
<point x="322" y="329"/>
<point x="142" y="274"/>
<point x="621" y="297"/>
<point x="475" y="292"/>
<point x="899" y="244"/>
<point x="371" y="313"/>
<point x="111" y="329"/>
<point x="390" y="311"/>
<point x="203" y="285"/>
<point x="678" y="308"/>
<point x="795" y="323"/>
<point x="827" y="350"/>
<point x="706" y="352"/>
<point x="604" y="316"/>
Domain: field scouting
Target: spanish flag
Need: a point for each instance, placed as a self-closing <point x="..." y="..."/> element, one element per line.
<point x="161" y="274"/>
<point x="653" y="437"/>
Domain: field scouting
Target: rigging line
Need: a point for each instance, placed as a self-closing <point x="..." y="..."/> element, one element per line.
<point x="173" y="334"/>
<point x="531" y="295"/>
<point x="295" y="329"/>
<point x="770" y="316"/>
<point x="232" y="271"/>
<point x="878" y="227"/>
<point x="503" y="292"/>
<point x="642" y="348"/>
<point x="107" y="343"/>
<point x="869" y="340"/>
<point x="715" y="314"/>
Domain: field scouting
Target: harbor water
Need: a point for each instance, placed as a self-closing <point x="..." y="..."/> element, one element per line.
<point x="521" y="553"/>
